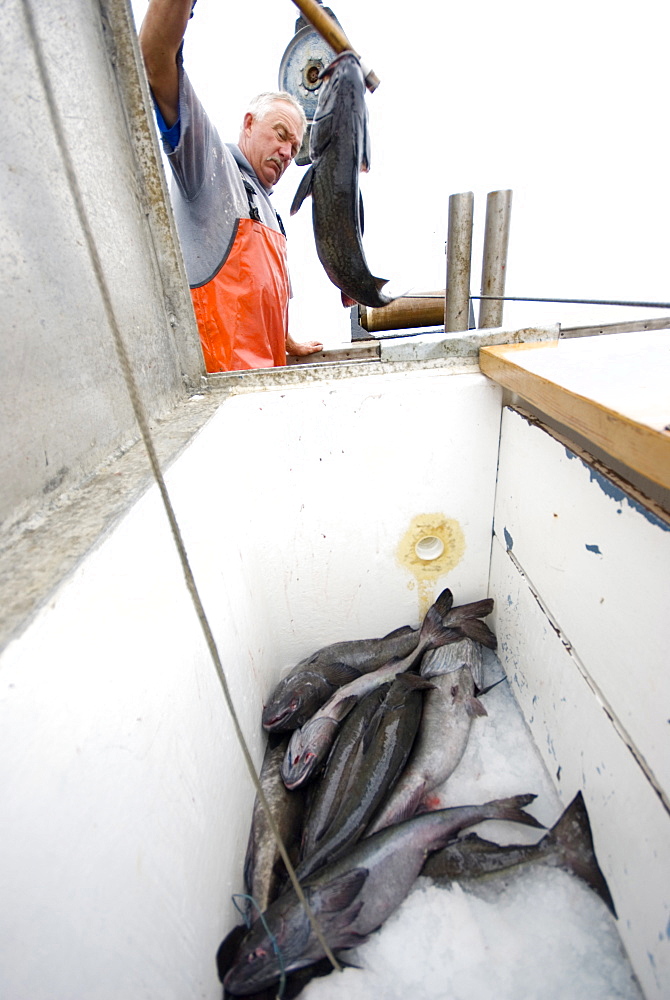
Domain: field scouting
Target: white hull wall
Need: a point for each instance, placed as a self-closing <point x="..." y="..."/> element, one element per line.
<point x="580" y="577"/>
<point x="125" y="797"/>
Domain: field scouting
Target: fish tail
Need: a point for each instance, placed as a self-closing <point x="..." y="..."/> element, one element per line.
<point x="476" y="609"/>
<point x="434" y="633"/>
<point x="475" y="628"/>
<point x="444" y="602"/>
<point x="512" y="808"/>
<point x="573" y="841"/>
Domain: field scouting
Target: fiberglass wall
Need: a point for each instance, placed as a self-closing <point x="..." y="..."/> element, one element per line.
<point x="126" y="794"/>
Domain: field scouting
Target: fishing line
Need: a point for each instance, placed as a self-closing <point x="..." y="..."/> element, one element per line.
<point x="273" y="940"/>
<point x="577" y="302"/>
<point x="147" y="438"/>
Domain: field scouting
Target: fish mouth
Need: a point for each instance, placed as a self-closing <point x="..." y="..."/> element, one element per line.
<point x="271" y="720"/>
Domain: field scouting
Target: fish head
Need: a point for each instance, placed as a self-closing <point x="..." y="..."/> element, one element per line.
<point x="306" y="750"/>
<point x="295" y="700"/>
<point x="285" y="931"/>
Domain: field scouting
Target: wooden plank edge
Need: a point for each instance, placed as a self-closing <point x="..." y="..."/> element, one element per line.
<point x="642" y="448"/>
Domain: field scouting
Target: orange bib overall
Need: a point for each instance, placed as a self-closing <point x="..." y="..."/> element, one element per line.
<point x="242" y="312"/>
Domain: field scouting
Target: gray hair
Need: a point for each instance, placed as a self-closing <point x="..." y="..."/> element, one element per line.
<point x="261" y="105"/>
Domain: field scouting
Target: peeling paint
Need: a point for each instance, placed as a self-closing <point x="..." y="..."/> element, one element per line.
<point x="509" y="541"/>
<point x="593" y="548"/>
<point x="617" y="494"/>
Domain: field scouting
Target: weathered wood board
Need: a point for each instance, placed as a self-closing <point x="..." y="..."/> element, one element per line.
<point x="613" y="390"/>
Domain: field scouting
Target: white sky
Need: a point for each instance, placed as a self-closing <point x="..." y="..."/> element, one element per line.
<point x="566" y="105"/>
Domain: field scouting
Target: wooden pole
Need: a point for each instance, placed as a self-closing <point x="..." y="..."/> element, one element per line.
<point x="333" y="35"/>
<point x="403" y="313"/>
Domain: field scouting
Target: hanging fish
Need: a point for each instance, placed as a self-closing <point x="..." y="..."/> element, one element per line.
<point x="339" y="148"/>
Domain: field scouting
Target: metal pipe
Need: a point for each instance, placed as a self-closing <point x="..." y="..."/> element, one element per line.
<point x="333" y="35"/>
<point x="459" y="259"/>
<point x="403" y="313"/>
<point x="579" y="302"/>
<point x="494" y="263"/>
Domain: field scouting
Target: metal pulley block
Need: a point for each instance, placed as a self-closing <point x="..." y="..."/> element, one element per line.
<point x="306" y="55"/>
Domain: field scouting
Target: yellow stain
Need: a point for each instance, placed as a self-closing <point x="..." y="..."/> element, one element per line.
<point x="426" y="572"/>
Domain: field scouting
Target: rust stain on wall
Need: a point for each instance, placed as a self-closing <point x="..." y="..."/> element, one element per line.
<point x="423" y="529"/>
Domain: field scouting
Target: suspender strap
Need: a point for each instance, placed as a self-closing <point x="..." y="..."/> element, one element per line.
<point x="253" y="207"/>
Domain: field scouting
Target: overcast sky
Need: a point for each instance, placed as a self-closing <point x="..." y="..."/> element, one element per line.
<point x="565" y="104"/>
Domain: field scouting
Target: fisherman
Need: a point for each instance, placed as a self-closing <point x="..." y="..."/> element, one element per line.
<point x="233" y="241"/>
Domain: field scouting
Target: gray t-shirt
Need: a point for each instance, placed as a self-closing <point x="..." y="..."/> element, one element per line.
<point x="207" y="189"/>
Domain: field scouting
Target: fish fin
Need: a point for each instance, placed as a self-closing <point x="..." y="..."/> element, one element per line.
<point x="341" y="673"/>
<point x="403" y="809"/>
<point x="572" y="837"/>
<point x="304" y="190"/>
<point x="249" y="860"/>
<point x="339" y="892"/>
<point x="372" y="728"/>
<point x="344" y="706"/>
<point x="476" y="609"/>
<point x="476" y="629"/>
<point x="474" y="707"/>
<point x="444" y="602"/>
<point x="365" y="152"/>
<point x="347" y="301"/>
<point x="352" y="939"/>
<point x="415" y="681"/>
<point x="398" y="632"/>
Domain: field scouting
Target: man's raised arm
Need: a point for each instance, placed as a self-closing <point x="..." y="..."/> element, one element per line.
<point x="160" y="36"/>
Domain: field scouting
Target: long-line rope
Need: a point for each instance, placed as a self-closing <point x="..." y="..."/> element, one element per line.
<point x="145" y="432"/>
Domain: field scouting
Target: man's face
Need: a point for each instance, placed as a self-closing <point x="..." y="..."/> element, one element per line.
<point x="270" y="143"/>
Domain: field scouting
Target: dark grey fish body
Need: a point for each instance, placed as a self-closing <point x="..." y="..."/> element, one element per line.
<point x="339" y="149"/>
<point x="264" y="868"/>
<point x="568" y="845"/>
<point x="312" y="681"/>
<point x="448" y="711"/>
<point x="378" y="759"/>
<point x="325" y="802"/>
<point x="354" y="896"/>
<point x="310" y="745"/>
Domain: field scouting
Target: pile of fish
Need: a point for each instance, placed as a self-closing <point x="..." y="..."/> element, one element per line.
<point x="361" y="733"/>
